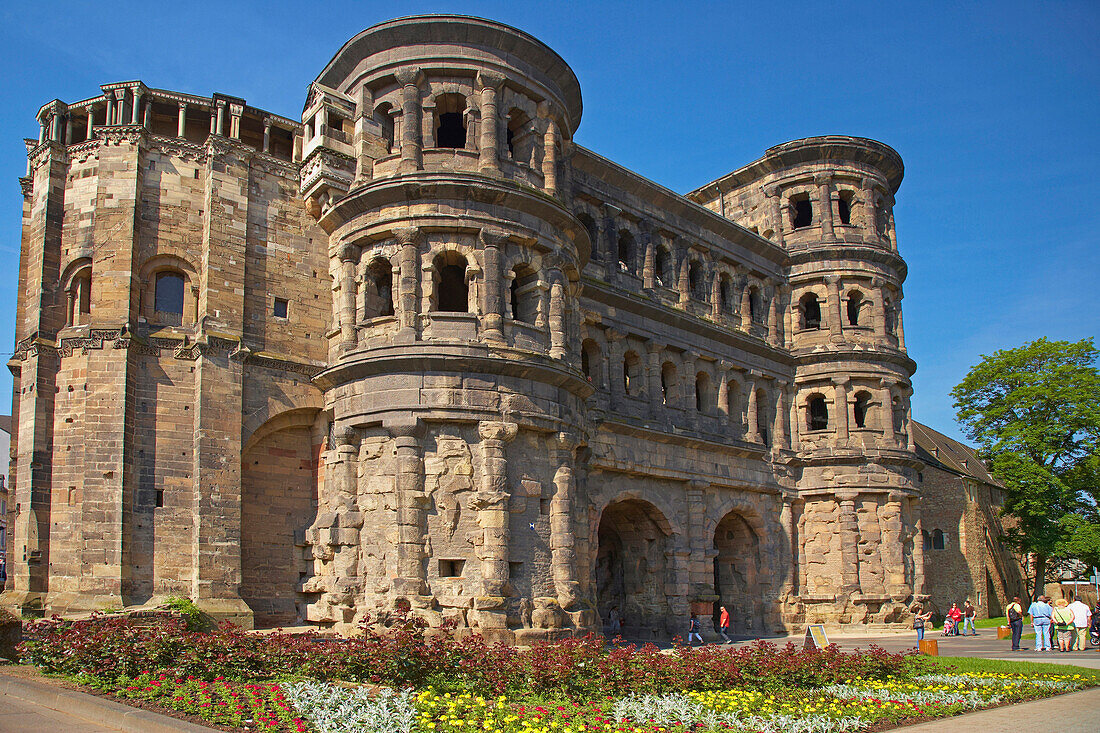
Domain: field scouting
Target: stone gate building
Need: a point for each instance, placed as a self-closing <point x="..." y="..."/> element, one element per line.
<point x="419" y="348"/>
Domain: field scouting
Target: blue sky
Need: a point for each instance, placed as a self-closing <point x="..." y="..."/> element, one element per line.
<point x="995" y="108"/>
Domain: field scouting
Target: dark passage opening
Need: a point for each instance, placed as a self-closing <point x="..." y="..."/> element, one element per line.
<point x="803" y="212"/>
<point x="451" y="133"/>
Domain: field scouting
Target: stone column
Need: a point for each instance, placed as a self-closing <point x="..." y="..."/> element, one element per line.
<point x="918" y="546"/>
<point x="181" y="120"/>
<point x="746" y="308"/>
<point x="55" y="127"/>
<point x="878" y="313"/>
<point x="691" y="395"/>
<point x="219" y="124"/>
<point x="235" y="112"/>
<point x="556" y="314"/>
<point x="349" y="257"/>
<point x="891" y="549"/>
<point x="610" y="244"/>
<point x="82" y="285"/>
<point x="775" y="212"/>
<point x="492" y="517"/>
<point x="779" y="428"/>
<point x="724" y="393"/>
<point x="849" y="543"/>
<point x="900" y="325"/>
<point x="409" y="240"/>
<point x="147" y="117"/>
<point x="752" y="412"/>
<point x="134" y="113"/>
<point x="411" y="500"/>
<point x="550" y="152"/>
<point x="120" y="107"/>
<point x="412" y="156"/>
<point x="489" y="144"/>
<point x="832" y="284"/>
<point x="267" y="134"/>
<point x="715" y="296"/>
<point x="109" y="119"/>
<point x="563" y="555"/>
<point x="886" y="415"/>
<point x="649" y="261"/>
<point x="792" y="411"/>
<point x="701" y="554"/>
<point x="494" y="299"/>
<point x="656" y="391"/>
<point x="615" y="354"/>
<point x="825" y="202"/>
<point x="773" y="318"/>
<point x="91" y="122"/>
<point x="840" y="404"/>
<point x="867" y="195"/>
<point x="911" y="442"/>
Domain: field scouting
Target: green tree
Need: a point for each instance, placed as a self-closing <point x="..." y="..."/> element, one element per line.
<point x="1035" y="413"/>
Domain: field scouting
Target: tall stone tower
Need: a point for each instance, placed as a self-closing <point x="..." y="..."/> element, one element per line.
<point x="431" y="158"/>
<point x="829" y="202"/>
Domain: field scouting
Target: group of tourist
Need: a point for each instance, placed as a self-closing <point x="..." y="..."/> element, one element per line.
<point x="956" y="616"/>
<point x="1063" y="623"/>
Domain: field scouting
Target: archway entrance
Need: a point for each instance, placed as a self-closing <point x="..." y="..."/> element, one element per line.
<point x="632" y="568"/>
<point x="737" y="574"/>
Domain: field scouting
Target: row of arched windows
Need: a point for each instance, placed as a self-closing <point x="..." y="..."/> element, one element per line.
<point x="168" y="295"/>
<point x="934" y="540"/>
<point x="855" y="310"/>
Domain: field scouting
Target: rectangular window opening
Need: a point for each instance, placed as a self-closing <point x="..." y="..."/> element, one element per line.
<point x="451" y="568"/>
<point x="281" y="308"/>
<point x="159" y="497"/>
<point x="515" y="569"/>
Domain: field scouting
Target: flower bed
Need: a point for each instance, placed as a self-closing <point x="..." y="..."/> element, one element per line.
<point x="442" y="684"/>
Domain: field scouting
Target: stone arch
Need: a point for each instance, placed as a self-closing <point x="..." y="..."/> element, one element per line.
<point x="627" y="251"/>
<point x="738" y="569"/>
<point x="670" y="384"/>
<point x="705" y="399"/>
<point x="278" y="499"/>
<point x="77" y="286"/>
<point x="592" y="361"/>
<point x="450" y="282"/>
<point x="664" y="266"/>
<point x="633" y="373"/>
<point x="857" y="305"/>
<point x="632" y="565"/>
<point x="725" y="293"/>
<point x="378" y="287"/>
<point x="450" y="120"/>
<point x="168" y="264"/>
<point x="697" y="279"/>
<point x="809" y="311"/>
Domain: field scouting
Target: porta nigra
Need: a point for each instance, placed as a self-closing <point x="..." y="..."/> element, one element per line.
<point x="418" y="349"/>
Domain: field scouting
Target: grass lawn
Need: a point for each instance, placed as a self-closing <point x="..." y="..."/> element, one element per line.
<point x="991" y="623"/>
<point x="977" y="665"/>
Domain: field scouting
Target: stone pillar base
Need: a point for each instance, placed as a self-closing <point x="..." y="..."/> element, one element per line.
<point x="233" y="610"/>
<point x="23" y="601"/>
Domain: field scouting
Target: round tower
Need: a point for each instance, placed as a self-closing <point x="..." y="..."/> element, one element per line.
<point x="829" y="201"/>
<point x="431" y="156"/>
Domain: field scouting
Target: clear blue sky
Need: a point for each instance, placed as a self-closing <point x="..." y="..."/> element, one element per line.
<point x="995" y="108"/>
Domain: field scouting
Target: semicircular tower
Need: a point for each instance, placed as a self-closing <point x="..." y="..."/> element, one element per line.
<point x="431" y="157"/>
<point x="829" y="202"/>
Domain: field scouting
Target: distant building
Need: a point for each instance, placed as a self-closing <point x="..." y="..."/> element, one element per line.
<point x="961" y="526"/>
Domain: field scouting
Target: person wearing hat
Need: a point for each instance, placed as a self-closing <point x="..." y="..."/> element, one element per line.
<point x="1063" y="624"/>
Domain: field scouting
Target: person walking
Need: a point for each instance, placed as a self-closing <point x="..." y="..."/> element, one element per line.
<point x="969" y="613"/>
<point x="955" y="615"/>
<point x="724" y="624"/>
<point x="693" y="630"/>
<point x="1040" y="612"/>
<point x="1015" y="613"/>
<point x="1081" y="619"/>
<point x="919" y="620"/>
<point x="1063" y="624"/>
<point x="614" y="623"/>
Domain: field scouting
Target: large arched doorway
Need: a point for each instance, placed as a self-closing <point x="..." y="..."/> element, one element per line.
<point x="278" y="493"/>
<point x="631" y="567"/>
<point x="737" y="574"/>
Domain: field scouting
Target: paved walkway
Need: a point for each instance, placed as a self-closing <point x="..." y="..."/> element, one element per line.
<point x="1077" y="712"/>
<point x="27" y="705"/>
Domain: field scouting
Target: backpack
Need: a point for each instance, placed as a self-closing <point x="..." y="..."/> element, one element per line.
<point x="1013" y="614"/>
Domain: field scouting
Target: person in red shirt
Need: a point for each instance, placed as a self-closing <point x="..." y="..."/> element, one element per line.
<point x="724" y="623"/>
<point x="955" y="615"/>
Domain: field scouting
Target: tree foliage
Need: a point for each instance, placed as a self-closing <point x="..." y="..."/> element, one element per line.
<point x="1035" y="413"/>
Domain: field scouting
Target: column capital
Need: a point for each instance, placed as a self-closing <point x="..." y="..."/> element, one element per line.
<point x="409" y="76"/>
<point x="846" y="496"/>
<point x="823" y="178"/>
<point x="406" y="429"/>
<point x="565" y="440"/>
<point x="612" y="210"/>
<point x="497" y="430"/>
<point x="832" y="279"/>
<point x="493" y="237"/>
<point x="841" y="381"/>
<point x="407" y="235"/>
<point x="347" y="436"/>
<point x="269" y="121"/>
<point x="771" y="191"/>
<point x="654" y="347"/>
<point x="489" y="80"/>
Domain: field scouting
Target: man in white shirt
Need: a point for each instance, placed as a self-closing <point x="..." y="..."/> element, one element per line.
<point x="1081" y="618"/>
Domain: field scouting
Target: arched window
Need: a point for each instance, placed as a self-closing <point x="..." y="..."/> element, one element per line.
<point x="452" y="294"/>
<point x="632" y="373"/>
<point x="696" y="282"/>
<point x="725" y="299"/>
<point x="626" y="251"/>
<point x="802" y="212"/>
<point x="818" y="413"/>
<point x="591" y="361"/>
<point x="79" y="297"/>
<point x="861" y="407"/>
<point x="810" y="310"/>
<point x="844" y="207"/>
<point x="378" y="295"/>
<point x="703" y="397"/>
<point x="937" y="539"/>
<point x="926" y="539"/>
<point x="525" y="294"/>
<point x="450" y="127"/>
<point x="855" y="303"/>
<point x="669" y="392"/>
<point x="168" y="297"/>
<point x="663" y="267"/>
<point x="520" y="136"/>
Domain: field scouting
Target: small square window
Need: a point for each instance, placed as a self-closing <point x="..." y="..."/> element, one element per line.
<point x="515" y="569"/>
<point x="281" y="308"/>
<point x="451" y="568"/>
